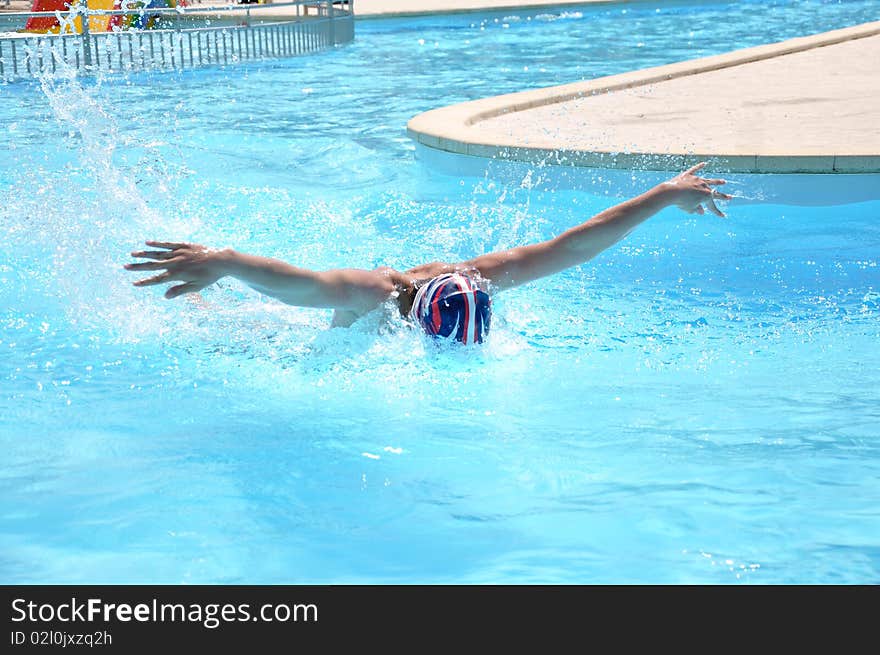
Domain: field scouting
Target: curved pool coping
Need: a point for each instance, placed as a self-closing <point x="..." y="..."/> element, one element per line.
<point x="455" y="128"/>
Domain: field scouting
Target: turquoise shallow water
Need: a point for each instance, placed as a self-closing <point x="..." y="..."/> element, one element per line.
<point x="698" y="405"/>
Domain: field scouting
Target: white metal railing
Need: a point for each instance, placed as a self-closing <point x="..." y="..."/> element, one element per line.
<point x="245" y="32"/>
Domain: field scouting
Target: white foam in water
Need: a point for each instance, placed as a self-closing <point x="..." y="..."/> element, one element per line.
<point x="83" y="222"/>
<point x="564" y="15"/>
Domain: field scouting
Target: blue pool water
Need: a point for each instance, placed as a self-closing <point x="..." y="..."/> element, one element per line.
<point x="698" y="405"/>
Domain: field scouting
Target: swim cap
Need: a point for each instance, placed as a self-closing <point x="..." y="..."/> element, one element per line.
<point x="451" y="306"/>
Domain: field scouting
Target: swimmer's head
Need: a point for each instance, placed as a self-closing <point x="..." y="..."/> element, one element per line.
<point x="451" y="306"/>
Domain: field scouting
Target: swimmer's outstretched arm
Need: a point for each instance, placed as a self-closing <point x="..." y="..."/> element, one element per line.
<point x="579" y="244"/>
<point x="196" y="267"/>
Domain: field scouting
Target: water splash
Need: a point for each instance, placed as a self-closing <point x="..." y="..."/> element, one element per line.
<point x="76" y="223"/>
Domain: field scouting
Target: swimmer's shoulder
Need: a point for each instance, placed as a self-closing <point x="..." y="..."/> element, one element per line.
<point x="398" y="290"/>
<point x="429" y="270"/>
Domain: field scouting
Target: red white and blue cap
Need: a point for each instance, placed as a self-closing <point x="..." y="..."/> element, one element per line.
<point x="453" y="307"/>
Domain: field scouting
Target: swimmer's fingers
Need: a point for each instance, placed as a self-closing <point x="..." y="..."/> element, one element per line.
<point x="149" y="266"/>
<point x="714" y="208"/>
<point x="156" y="279"/>
<point x="180" y="289"/>
<point x="715" y="194"/>
<point x="171" y="245"/>
<point x="690" y="192"/>
<point x="154" y="254"/>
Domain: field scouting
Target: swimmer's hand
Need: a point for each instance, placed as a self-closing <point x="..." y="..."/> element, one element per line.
<point x="195" y="266"/>
<point x="688" y="191"/>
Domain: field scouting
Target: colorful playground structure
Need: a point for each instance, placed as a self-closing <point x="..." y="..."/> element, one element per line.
<point x="141" y="35"/>
<point x="97" y="23"/>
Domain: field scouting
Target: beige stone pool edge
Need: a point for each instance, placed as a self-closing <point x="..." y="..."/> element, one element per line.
<point x="463" y="128"/>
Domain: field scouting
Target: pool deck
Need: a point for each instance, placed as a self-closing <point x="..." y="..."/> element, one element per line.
<point x="807" y="105"/>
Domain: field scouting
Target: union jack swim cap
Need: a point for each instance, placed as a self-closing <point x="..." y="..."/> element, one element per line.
<point x="451" y="306"/>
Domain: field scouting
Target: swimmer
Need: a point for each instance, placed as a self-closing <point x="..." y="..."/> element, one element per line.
<point x="448" y="300"/>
